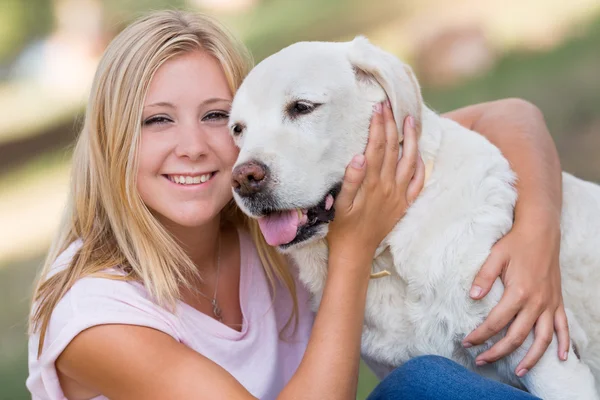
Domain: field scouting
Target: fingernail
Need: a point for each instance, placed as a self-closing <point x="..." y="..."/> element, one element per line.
<point x="565" y="356"/>
<point x="411" y="121"/>
<point x="521" y="373"/>
<point x="467" y="345"/>
<point x="475" y="291"/>
<point x="480" y="363"/>
<point x="358" y="161"/>
<point x="378" y="108"/>
<point x="387" y="103"/>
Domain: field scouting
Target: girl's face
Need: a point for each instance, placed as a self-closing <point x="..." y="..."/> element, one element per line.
<point x="186" y="153"/>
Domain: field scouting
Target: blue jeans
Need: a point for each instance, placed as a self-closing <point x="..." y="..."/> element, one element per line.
<point x="434" y="377"/>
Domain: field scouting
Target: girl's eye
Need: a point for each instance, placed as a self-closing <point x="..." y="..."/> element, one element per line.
<point x="215" y="116"/>
<point x="157" y="120"/>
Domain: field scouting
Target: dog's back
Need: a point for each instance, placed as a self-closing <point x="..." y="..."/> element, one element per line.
<point x="580" y="266"/>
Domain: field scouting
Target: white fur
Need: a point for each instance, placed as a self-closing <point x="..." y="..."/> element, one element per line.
<point x="436" y="250"/>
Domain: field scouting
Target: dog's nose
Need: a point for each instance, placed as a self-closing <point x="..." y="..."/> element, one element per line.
<point x="249" y="178"/>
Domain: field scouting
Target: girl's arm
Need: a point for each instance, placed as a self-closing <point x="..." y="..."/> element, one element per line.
<point x="365" y="214"/>
<point x="527" y="257"/>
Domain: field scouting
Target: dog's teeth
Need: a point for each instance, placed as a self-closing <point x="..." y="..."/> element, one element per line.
<point x="304" y="219"/>
<point x="299" y="214"/>
<point x="328" y="202"/>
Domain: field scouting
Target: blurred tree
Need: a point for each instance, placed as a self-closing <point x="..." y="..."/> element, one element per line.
<point x="118" y="13"/>
<point x="20" y="22"/>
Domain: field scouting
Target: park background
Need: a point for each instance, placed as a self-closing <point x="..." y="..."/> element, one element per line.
<point x="463" y="52"/>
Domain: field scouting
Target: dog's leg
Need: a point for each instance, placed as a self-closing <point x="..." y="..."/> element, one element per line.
<point x="551" y="378"/>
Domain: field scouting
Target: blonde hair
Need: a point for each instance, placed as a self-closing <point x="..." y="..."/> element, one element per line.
<point x="104" y="210"/>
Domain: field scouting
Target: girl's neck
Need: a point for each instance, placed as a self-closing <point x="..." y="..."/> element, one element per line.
<point x="200" y="243"/>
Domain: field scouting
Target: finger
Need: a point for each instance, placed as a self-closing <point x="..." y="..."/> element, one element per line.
<point x="487" y="275"/>
<point x="376" y="144"/>
<point x="390" y="160"/>
<point x="353" y="178"/>
<point x="561" y="326"/>
<point x="544" y="329"/>
<point x="499" y="317"/>
<point x="417" y="182"/>
<point x="515" y="336"/>
<point x="410" y="152"/>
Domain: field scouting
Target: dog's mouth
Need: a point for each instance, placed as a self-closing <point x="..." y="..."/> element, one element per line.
<point x="285" y="228"/>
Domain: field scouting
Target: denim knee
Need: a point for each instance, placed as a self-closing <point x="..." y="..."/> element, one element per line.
<point x="434" y="377"/>
<point x="425" y="365"/>
<point x="414" y="375"/>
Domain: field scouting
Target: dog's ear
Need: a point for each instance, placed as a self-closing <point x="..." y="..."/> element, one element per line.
<point x="395" y="77"/>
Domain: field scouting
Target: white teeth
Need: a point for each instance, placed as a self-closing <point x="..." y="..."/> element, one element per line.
<point x="189" y="180"/>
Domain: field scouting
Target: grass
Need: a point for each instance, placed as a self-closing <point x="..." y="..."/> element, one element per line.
<point x="16" y="284"/>
<point x="564" y="83"/>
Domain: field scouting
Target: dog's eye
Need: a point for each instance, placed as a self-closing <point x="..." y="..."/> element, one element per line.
<point x="237" y="129"/>
<point x="301" y="107"/>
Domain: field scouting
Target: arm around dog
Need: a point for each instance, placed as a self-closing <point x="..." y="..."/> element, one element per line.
<point x="527" y="257"/>
<point x="518" y="129"/>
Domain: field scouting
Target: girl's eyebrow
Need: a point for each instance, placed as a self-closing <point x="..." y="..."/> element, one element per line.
<point x="205" y="102"/>
<point x="160" y="104"/>
<point x="216" y="100"/>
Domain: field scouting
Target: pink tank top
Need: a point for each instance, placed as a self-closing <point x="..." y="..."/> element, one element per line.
<point x="256" y="356"/>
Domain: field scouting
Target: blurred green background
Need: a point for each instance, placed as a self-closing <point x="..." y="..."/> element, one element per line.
<point x="464" y="51"/>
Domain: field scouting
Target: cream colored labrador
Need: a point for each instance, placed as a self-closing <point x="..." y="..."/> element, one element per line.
<point x="298" y="119"/>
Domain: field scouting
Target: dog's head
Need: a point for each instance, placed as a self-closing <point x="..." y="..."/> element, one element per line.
<point x="299" y="118"/>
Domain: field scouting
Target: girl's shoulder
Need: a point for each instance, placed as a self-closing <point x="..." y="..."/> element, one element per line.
<point x="106" y="298"/>
<point x="91" y="301"/>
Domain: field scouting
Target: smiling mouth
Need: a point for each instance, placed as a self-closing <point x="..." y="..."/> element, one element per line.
<point x="285" y="228"/>
<point x="185" y="180"/>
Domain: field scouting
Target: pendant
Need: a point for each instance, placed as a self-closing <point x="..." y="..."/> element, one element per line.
<point x="216" y="310"/>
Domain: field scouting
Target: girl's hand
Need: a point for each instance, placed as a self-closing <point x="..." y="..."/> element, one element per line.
<point x="527" y="260"/>
<point x="377" y="187"/>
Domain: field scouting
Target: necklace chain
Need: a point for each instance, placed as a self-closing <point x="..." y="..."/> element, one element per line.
<point x="217" y="312"/>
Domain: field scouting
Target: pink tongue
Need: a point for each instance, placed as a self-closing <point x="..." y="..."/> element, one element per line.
<point x="280" y="227"/>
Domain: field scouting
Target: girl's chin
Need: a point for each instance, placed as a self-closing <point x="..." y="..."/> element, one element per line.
<point x="188" y="219"/>
<point x="189" y="213"/>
